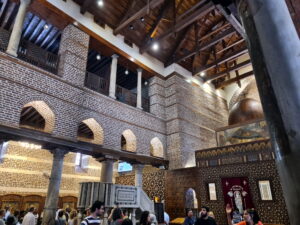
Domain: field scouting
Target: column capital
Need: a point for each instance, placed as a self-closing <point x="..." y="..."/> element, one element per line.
<point x="138" y="166"/>
<point x="115" y="56"/>
<point x="58" y="153"/>
<point x="139" y="70"/>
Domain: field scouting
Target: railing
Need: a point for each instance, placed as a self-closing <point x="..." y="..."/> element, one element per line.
<point x="4" y="39"/>
<point x="37" y="56"/>
<point x="126" y="96"/>
<point x="96" y="83"/>
<point x="125" y="196"/>
<point x="242" y="133"/>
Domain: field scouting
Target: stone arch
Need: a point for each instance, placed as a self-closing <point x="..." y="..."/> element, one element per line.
<point x="191" y="201"/>
<point x="94" y="132"/>
<point x="41" y="109"/>
<point x="128" y="141"/>
<point x="156" y="148"/>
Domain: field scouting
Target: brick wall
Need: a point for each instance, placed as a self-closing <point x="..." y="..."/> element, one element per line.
<point x="192" y="115"/>
<point x="25" y="171"/>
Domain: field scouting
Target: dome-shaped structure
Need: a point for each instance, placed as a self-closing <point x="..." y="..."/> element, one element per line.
<point x="245" y="110"/>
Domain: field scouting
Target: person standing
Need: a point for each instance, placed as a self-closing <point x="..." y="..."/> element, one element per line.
<point x="97" y="210"/>
<point x="29" y="218"/>
<point x="7" y="212"/>
<point x="204" y="219"/>
<point x="2" y="214"/>
<point x="190" y="219"/>
<point x="250" y="217"/>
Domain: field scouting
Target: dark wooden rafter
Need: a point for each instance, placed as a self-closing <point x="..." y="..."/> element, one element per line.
<point x="179" y="6"/>
<point x="85" y="6"/>
<point x="203" y="10"/>
<point x="233" y="80"/>
<point x="232" y="20"/>
<point x="138" y="14"/>
<point x="230" y="69"/>
<point x="149" y="35"/>
<point x="207" y="45"/>
<point x="223" y="59"/>
<point x="131" y="4"/>
<point x="237" y="74"/>
<point x="180" y="39"/>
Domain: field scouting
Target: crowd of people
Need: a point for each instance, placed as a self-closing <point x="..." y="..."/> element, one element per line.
<point x="206" y="217"/>
<point x="94" y="215"/>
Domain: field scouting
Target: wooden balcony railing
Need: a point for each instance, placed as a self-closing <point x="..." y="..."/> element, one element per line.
<point x="4" y="39"/>
<point x="96" y="83"/>
<point x="126" y="96"/>
<point x="37" y="56"/>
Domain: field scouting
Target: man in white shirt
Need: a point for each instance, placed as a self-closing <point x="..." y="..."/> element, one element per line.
<point x="29" y="218"/>
<point x="7" y="212"/>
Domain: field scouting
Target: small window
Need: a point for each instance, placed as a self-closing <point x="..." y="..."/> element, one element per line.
<point x="81" y="162"/>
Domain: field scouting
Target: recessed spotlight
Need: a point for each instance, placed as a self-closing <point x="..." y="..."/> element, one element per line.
<point x="126" y="72"/>
<point x="142" y="19"/>
<point x="75" y="23"/>
<point x="131" y="27"/>
<point x="46" y="26"/>
<point x="100" y="3"/>
<point x="202" y="74"/>
<point x="146" y="83"/>
<point x="155" y="46"/>
<point x="98" y="57"/>
<point x="131" y="59"/>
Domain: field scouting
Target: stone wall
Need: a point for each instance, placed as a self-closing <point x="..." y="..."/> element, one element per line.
<point x="25" y="171"/>
<point x="192" y="115"/>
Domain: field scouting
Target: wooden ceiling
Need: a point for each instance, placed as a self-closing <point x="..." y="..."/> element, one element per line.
<point x="196" y="34"/>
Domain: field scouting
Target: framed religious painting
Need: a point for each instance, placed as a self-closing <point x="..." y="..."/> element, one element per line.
<point x="212" y="193"/>
<point x="265" y="190"/>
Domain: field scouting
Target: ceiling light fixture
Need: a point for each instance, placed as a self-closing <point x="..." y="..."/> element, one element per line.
<point x="155" y="46"/>
<point x="146" y="83"/>
<point x="75" y="23"/>
<point x="46" y="26"/>
<point x="142" y="19"/>
<point x="100" y="3"/>
<point x="131" y="59"/>
<point x="98" y="57"/>
<point x="126" y="72"/>
<point x="202" y="74"/>
<point x="131" y="27"/>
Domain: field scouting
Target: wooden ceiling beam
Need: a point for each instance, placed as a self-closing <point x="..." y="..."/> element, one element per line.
<point x="131" y="4"/>
<point x="179" y="5"/>
<point x="85" y="6"/>
<point x="223" y="59"/>
<point x="232" y="20"/>
<point x="140" y="13"/>
<point x="206" y="8"/>
<point x="158" y="19"/>
<point x="230" y="69"/>
<point x="179" y="41"/>
<point x="205" y="46"/>
<point x="233" y="80"/>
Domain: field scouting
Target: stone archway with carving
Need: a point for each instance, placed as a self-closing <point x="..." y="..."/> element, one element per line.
<point x="45" y="112"/>
<point x="128" y="141"/>
<point x="156" y="148"/>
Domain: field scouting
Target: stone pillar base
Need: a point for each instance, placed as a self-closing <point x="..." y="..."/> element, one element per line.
<point x="12" y="53"/>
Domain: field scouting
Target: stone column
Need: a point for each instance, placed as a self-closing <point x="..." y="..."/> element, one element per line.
<point x="276" y="65"/>
<point x="113" y="76"/>
<point x="139" y="89"/>
<point x="107" y="171"/>
<point x="16" y="33"/>
<point x="53" y="187"/>
<point x="138" y="170"/>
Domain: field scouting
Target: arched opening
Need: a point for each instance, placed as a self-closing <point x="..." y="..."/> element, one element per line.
<point x="128" y="141"/>
<point x="191" y="201"/>
<point x="156" y="148"/>
<point x="38" y="116"/>
<point x="89" y="130"/>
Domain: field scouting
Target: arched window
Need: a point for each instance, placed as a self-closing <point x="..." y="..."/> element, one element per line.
<point x="37" y="115"/>
<point x="128" y="141"/>
<point x="191" y="201"/>
<point x="156" y="148"/>
<point x="89" y="130"/>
